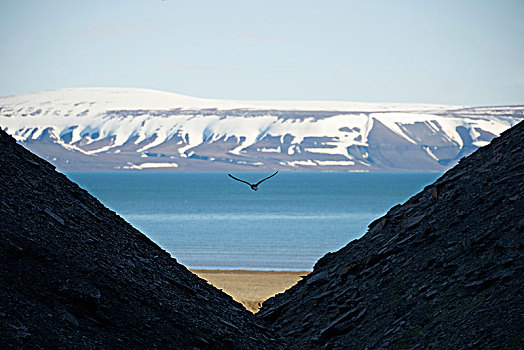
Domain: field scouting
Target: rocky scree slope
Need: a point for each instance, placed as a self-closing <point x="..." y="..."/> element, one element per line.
<point x="74" y="275"/>
<point x="443" y="270"/>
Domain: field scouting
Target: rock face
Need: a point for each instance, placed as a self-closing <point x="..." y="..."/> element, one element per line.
<point x="74" y="275"/>
<point x="443" y="270"/>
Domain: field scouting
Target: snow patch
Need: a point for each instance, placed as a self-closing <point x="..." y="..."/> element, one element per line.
<point x="308" y="162"/>
<point x="335" y="162"/>
<point x="270" y="150"/>
<point x="149" y="165"/>
<point x="431" y="154"/>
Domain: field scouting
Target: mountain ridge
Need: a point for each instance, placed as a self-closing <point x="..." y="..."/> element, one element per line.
<point x="160" y="100"/>
<point x="137" y="129"/>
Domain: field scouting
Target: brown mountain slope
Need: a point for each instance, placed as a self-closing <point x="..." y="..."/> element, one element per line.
<point x="442" y="271"/>
<point x="74" y="275"/>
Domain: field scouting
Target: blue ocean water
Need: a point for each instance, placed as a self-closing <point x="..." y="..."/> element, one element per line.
<point x="208" y="221"/>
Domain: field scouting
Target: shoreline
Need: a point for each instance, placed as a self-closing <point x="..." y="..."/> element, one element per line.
<point x="245" y="271"/>
<point x="251" y="287"/>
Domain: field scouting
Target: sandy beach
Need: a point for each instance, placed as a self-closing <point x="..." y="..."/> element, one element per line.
<point x="251" y="288"/>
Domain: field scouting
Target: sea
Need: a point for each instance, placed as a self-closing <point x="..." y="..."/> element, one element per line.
<point x="206" y="220"/>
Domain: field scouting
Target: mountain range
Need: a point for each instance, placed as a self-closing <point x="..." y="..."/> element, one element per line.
<point x="125" y="128"/>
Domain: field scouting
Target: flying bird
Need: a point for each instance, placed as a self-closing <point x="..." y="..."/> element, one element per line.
<point x="254" y="187"/>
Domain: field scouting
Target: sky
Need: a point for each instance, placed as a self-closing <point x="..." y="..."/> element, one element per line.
<point x="450" y="52"/>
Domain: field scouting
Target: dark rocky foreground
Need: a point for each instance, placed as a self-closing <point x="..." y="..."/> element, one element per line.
<point x="74" y="275"/>
<point x="442" y="271"/>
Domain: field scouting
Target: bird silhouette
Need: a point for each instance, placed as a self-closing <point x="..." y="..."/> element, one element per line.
<point x="254" y="187"/>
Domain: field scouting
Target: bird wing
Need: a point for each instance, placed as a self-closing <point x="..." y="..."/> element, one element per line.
<point x="258" y="183"/>
<point x="231" y="176"/>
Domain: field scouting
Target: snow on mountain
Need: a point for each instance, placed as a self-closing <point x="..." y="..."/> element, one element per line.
<point x="117" y="128"/>
<point x="76" y="100"/>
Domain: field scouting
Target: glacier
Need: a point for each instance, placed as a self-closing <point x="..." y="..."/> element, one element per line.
<point x="101" y="129"/>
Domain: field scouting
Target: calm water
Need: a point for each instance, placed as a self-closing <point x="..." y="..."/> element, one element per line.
<point x="208" y="221"/>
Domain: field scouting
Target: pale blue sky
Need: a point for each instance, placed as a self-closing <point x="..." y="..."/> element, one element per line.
<point x="456" y="52"/>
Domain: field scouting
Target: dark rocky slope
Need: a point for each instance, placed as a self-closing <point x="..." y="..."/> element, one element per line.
<point x="74" y="275"/>
<point x="442" y="271"/>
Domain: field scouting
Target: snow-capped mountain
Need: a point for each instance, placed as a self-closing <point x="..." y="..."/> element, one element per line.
<point x="122" y="128"/>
